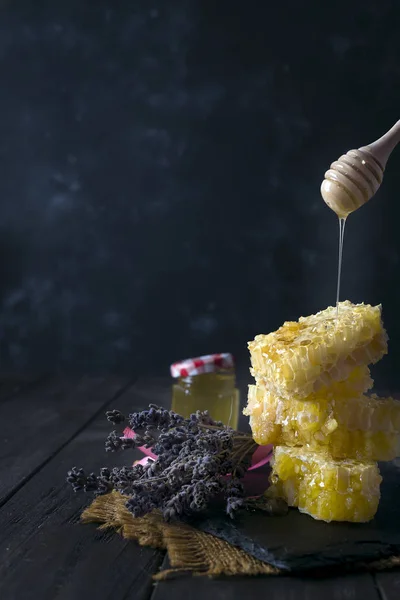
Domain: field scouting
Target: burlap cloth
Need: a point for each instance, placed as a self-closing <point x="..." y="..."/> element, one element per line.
<point x="190" y="550"/>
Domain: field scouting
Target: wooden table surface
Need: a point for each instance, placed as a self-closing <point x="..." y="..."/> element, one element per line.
<point x="50" y="425"/>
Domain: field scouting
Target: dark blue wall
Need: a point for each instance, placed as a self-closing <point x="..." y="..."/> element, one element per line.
<point x="160" y="172"/>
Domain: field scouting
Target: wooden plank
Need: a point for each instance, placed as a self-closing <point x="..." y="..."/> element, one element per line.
<point x="11" y="385"/>
<point x="349" y="587"/>
<point x="37" y="422"/>
<point x="46" y="553"/>
<point x="388" y="584"/>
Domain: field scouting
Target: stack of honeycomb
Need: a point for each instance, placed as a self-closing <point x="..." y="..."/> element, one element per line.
<point x="310" y="400"/>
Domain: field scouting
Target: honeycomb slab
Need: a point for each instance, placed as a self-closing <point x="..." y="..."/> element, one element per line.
<point x="363" y="427"/>
<point x="303" y="356"/>
<point x="324" y="488"/>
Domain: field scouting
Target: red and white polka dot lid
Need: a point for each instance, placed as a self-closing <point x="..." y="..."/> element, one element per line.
<point x="210" y="363"/>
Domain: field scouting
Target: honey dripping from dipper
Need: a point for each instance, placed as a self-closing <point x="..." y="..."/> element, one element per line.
<point x="354" y="179"/>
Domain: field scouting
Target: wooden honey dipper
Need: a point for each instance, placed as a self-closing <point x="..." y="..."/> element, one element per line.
<point x="355" y="177"/>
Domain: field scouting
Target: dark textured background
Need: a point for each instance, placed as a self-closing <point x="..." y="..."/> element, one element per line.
<point x="160" y="171"/>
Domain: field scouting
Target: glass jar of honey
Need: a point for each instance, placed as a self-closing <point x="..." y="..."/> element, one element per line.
<point x="207" y="383"/>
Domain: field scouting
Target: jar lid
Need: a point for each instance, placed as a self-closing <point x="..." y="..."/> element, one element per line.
<point x="210" y="363"/>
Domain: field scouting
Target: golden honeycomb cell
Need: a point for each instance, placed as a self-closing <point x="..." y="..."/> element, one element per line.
<point x="326" y="489"/>
<point x="308" y="355"/>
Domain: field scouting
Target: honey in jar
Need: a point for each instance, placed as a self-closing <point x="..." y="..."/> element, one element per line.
<point x="207" y="383"/>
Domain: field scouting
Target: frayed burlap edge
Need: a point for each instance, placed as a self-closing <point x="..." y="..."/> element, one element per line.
<point x="191" y="550"/>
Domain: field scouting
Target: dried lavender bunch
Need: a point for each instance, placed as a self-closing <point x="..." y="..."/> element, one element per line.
<point x="198" y="459"/>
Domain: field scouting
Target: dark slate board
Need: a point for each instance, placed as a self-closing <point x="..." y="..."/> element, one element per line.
<point x="388" y="584"/>
<point x="353" y="586"/>
<point x="298" y="543"/>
